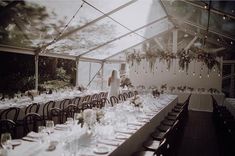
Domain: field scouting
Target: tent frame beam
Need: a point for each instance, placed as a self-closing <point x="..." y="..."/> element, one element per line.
<point x="122" y="36"/>
<point x="138" y="44"/>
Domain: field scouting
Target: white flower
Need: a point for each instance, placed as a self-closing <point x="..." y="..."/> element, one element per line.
<point x="89" y="116"/>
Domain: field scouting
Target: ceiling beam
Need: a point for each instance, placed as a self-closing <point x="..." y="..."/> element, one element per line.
<point x="213" y="10"/>
<point x="175" y="41"/>
<point x="89" y="23"/>
<point x="91" y="50"/>
<point x="202" y="27"/>
<point x="190" y="43"/>
<point x="18" y="50"/>
<point x="162" y="33"/>
<point x="218" y="50"/>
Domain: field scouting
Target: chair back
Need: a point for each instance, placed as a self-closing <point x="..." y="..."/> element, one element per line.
<point x="85" y="105"/>
<point x="8" y="126"/>
<point x="46" y="109"/>
<point x="64" y="103"/>
<point x="56" y="114"/>
<point x="105" y="101"/>
<point x="94" y="97"/>
<point x="126" y="95"/>
<point x="31" y="122"/>
<point x="130" y="94"/>
<point x="86" y="98"/>
<point x="162" y="148"/>
<point x="11" y="113"/>
<point x="70" y="110"/>
<point x="76" y="101"/>
<point x="121" y="97"/>
<point x="32" y="108"/>
<point x="113" y="100"/>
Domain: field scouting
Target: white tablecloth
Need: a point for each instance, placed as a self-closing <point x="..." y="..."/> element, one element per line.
<point x="78" y="142"/>
<point x="230" y="104"/>
<point x="200" y="101"/>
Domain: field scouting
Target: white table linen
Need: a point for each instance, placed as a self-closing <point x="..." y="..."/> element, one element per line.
<point x="122" y="130"/>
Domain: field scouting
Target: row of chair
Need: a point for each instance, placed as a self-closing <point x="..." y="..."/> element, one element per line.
<point x="67" y="107"/>
<point x="225" y="127"/>
<point x="122" y="97"/>
<point x="165" y="139"/>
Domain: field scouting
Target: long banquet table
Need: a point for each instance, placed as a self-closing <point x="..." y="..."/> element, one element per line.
<point x="122" y="131"/>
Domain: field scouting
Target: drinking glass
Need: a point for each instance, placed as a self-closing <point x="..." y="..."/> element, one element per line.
<point x="76" y="118"/>
<point x="50" y="126"/>
<point x="6" y="141"/>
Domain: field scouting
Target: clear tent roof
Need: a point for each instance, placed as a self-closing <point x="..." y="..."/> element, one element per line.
<point x="103" y="29"/>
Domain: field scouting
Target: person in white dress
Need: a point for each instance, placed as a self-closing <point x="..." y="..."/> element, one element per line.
<point x="114" y="83"/>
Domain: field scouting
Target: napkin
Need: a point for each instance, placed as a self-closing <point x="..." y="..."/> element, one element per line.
<point x="34" y="135"/>
<point x="109" y="142"/>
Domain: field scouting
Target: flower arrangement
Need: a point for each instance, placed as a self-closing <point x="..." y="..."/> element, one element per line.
<point x="164" y="86"/>
<point x="168" y="57"/>
<point x="201" y="89"/>
<point x="133" y="57"/>
<point x="213" y="90"/>
<point x="89" y="117"/>
<point x="136" y="101"/>
<point x="181" y="88"/>
<point x="184" y="59"/>
<point x="81" y="88"/>
<point x="191" y="89"/>
<point x="31" y="94"/>
<point x="125" y="82"/>
<point x="155" y="93"/>
<point x="172" y="88"/>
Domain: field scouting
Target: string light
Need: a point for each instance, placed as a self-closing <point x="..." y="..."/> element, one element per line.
<point x="208" y="75"/>
<point x="224" y="17"/>
<point x="214" y="69"/>
<point x="193" y="73"/>
<point x="205" y="7"/>
<point x="231" y="42"/>
<point x="218" y="39"/>
<point x="200" y="76"/>
<point x="219" y="74"/>
<point x="232" y="11"/>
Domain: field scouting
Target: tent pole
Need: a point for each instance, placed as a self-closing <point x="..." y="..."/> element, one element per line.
<point x="36" y="71"/>
<point x="102" y="76"/>
<point x="77" y="71"/>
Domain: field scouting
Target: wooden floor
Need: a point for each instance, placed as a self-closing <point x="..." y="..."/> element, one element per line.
<point x="199" y="138"/>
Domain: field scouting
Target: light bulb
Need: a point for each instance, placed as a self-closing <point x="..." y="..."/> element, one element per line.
<point x="208" y="75"/>
<point x="193" y="73"/>
<point x="205" y="7"/>
<point x="214" y="69"/>
<point x="231" y="42"/>
<point x="200" y="76"/>
<point x="218" y="39"/>
<point x="219" y="74"/>
<point x="224" y="17"/>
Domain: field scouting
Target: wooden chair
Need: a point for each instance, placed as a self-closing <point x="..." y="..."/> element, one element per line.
<point x="8" y="126"/>
<point x="113" y="100"/>
<point x="64" y="103"/>
<point x="126" y="95"/>
<point x="46" y="109"/>
<point x="121" y="97"/>
<point x="105" y="101"/>
<point x="70" y="110"/>
<point x="85" y="105"/>
<point x="94" y="97"/>
<point x="86" y="98"/>
<point x="76" y="101"/>
<point x="31" y="122"/>
<point x="32" y="108"/>
<point x="56" y="114"/>
<point x="11" y="113"/>
<point x="130" y="94"/>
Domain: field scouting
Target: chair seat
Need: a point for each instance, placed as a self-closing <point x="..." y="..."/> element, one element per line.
<point x="163" y="128"/>
<point x="152" y="145"/>
<point x="177" y="110"/>
<point x="144" y="153"/>
<point x="168" y="122"/>
<point x="158" y="135"/>
<point x="174" y="118"/>
<point x="173" y="114"/>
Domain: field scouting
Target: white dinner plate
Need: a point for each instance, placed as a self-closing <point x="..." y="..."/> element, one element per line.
<point x="16" y="142"/>
<point x="101" y="150"/>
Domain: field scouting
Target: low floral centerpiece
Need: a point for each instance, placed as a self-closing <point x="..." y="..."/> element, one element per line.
<point x="136" y="101"/>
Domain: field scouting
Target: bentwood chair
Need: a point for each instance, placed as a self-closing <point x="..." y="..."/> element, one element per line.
<point x="86" y="98"/>
<point x="113" y="100"/>
<point x="46" y="109"/>
<point x="11" y="113"/>
<point x="159" y="149"/>
<point x="64" y="103"/>
<point x="85" y="105"/>
<point x="31" y="122"/>
<point x="56" y="114"/>
<point x="130" y="94"/>
<point x="126" y="95"/>
<point x="32" y="108"/>
<point x="70" y="110"/>
<point x="121" y="97"/>
<point x="8" y="126"/>
<point x="94" y="97"/>
<point x="76" y="101"/>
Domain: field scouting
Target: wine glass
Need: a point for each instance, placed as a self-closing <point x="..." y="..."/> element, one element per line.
<point x="6" y="141"/>
<point x="50" y="126"/>
<point x="42" y="131"/>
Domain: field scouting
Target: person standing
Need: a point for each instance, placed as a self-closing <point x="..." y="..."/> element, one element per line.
<point x="114" y="83"/>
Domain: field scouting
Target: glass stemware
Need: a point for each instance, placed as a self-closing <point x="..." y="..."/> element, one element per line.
<point x="50" y="126"/>
<point x="6" y="141"/>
